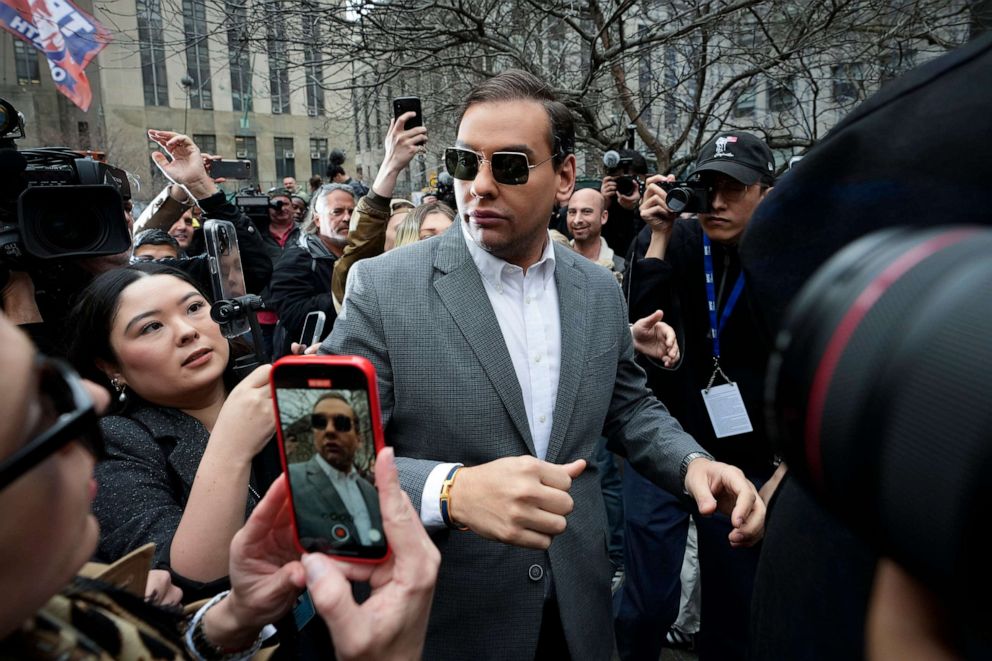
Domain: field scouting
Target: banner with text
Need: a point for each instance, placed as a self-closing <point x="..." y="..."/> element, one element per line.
<point x="69" y="37"/>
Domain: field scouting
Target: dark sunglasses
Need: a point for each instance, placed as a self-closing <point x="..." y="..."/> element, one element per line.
<point x="508" y="167"/>
<point x="342" y="423"/>
<point x="64" y="398"/>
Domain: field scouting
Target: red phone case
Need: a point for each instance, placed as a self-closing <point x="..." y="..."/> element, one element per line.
<point x="331" y="362"/>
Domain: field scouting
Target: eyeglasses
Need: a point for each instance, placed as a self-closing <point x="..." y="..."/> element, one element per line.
<point x="342" y="423"/>
<point x="508" y="167"/>
<point x="73" y="417"/>
<point x="730" y="190"/>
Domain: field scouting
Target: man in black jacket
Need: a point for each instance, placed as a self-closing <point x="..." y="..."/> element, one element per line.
<point x="301" y="281"/>
<point x="690" y="269"/>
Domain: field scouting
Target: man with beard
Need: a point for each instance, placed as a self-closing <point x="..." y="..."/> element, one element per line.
<point x="301" y="281"/>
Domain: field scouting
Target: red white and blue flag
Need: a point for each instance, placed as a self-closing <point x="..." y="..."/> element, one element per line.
<point x="69" y="37"/>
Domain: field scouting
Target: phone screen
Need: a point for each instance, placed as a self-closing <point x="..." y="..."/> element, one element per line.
<point x="327" y="428"/>
<point x="313" y="328"/>
<point x="227" y="276"/>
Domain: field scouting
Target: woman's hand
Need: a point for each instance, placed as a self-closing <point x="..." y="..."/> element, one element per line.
<point x="247" y="417"/>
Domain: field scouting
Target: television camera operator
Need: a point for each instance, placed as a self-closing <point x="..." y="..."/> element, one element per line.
<point x="622" y="187"/>
<point x="65" y="218"/>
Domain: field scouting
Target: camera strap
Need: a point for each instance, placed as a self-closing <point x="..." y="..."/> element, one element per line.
<point x="724" y="403"/>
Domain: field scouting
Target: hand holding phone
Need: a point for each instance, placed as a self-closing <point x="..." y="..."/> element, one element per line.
<point x="227" y="276"/>
<point x="230" y="169"/>
<point x="330" y="429"/>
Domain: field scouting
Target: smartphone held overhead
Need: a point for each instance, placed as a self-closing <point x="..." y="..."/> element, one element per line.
<point x="406" y="104"/>
<point x="330" y="430"/>
<point x="221" y="168"/>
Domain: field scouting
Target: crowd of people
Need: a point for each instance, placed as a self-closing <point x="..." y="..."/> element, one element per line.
<point x="566" y="404"/>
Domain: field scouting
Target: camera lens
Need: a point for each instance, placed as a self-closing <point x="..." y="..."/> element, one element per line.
<point x="878" y="397"/>
<point x="72" y="221"/>
<point x="626" y="185"/>
<point x="71" y="230"/>
<point x="678" y="199"/>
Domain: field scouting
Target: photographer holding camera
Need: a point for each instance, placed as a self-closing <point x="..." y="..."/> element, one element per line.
<point x="691" y="270"/>
<point x="621" y="188"/>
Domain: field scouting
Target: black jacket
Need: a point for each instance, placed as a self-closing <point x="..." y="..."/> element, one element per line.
<point x="677" y="286"/>
<point x="301" y="283"/>
<point x="255" y="260"/>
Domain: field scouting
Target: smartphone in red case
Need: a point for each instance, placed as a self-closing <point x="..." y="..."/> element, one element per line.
<point x="329" y="427"/>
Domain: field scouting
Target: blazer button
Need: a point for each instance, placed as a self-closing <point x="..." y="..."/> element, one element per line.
<point x="535" y="573"/>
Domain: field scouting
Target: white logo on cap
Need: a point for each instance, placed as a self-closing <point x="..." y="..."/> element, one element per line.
<point x="721" y="146"/>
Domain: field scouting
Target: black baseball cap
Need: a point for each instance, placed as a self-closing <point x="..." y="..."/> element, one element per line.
<point x="737" y="154"/>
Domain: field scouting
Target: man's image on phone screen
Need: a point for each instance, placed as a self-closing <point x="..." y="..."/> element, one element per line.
<point x="331" y="461"/>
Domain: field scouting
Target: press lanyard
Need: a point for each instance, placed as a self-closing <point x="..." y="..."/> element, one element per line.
<point x="718" y="322"/>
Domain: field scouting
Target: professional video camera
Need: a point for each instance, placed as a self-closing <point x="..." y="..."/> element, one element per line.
<point x="255" y="205"/>
<point x="55" y="204"/>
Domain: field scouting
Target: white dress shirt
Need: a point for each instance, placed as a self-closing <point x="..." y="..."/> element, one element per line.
<point x="527" y="309"/>
<point x="351" y="495"/>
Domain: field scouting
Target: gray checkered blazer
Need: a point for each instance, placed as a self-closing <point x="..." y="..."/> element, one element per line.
<point x="449" y="394"/>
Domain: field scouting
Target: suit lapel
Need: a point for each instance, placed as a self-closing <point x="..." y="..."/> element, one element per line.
<point x="463" y="294"/>
<point x="570" y="282"/>
<point x="323" y="486"/>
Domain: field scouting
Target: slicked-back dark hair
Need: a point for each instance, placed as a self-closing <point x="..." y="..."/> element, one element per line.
<point x="518" y="85"/>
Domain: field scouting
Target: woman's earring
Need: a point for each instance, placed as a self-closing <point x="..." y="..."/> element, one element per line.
<point x="119" y="387"/>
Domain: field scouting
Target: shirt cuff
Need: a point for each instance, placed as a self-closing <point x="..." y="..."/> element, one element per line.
<point x="430" y="501"/>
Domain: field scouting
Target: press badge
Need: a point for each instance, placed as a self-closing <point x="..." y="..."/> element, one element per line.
<point x="726" y="408"/>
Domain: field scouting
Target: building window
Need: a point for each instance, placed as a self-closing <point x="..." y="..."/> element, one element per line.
<point x="246" y="148"/>
<point x="745" y="102"/>
<point x="285" y="158"/>
<point x="278" y="59"/>
<point x="670" y="92"/>
<point x="318" y="156"/>
<point x="645" y="77"/>
<point x="313" y="63"/>
<point x="197" y="55"/>
<point x="26" y="57"/>
<point x="83" y="129"/>
<point x="894" y="62"/>
<point x="354" y="113"/>
<point x="152" y="50"/>
<point x="206" y="142"/>
<point x="237" y="57"/>
<point x="782" y="94"/>
<point x="848" y="81"/>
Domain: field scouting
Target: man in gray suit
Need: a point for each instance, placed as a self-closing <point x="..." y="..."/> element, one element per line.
<point x="334" y="505"/>
<point x="501" y="358"/>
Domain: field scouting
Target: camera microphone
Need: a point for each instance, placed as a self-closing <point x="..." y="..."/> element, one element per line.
<point x="611" y="159"/>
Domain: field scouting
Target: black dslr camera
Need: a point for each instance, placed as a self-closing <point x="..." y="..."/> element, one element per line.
<point x="619" y="167"/>
<point x="56" y="204"/>
<point x="687" y="196"/>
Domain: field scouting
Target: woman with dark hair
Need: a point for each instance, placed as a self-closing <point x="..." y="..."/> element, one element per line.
<point x="179" y="449"/>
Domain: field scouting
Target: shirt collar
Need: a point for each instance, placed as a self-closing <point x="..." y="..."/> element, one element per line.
<point x="333" y="473"/>
<point x="492" y="268"/>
